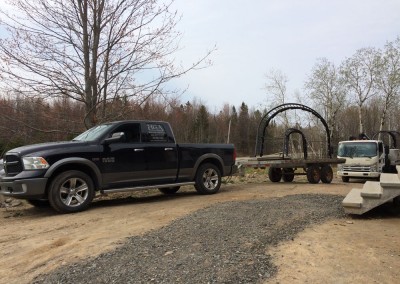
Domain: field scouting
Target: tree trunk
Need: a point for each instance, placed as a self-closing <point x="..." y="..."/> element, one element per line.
<point x="360" y="118"/>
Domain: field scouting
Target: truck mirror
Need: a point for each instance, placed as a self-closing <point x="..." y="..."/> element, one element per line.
<point x="115" y="137"/>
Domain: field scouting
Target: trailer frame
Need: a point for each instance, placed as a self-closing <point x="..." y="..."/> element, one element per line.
<point x="316" y="169"/>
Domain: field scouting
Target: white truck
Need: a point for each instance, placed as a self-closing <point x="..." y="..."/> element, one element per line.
<point x="366" y="159"/>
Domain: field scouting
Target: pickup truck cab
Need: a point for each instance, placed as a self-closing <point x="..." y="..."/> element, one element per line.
<point x="112" y="157"/>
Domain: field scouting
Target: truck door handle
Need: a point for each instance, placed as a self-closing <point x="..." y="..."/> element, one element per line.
<point x="139" y="150"/>
<point x="168" y="149"/>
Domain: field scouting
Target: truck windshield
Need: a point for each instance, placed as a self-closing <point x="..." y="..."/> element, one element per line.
<point x="93" y="133"/>
<point x="357" y="149"/>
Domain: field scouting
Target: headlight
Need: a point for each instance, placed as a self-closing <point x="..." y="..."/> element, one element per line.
<point x="34" y="163"/>
<point x="340" y="167"/>
<point x="373" y="169"/>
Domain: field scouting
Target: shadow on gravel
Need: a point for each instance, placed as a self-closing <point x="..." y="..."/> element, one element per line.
<point x="224" y="243"/>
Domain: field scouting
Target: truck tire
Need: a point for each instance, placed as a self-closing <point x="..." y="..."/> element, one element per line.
<point x="275" y="174"/>
<point x="326" y="174"/>
<point x="40" y="203"/>
<point x="208" y="179"/>
<point x="313" y="174"/>
<point x="288" y="175"/>
<point x="169" y="190"/>
<point x="71" y="191"/>
<point x="345" y="179"/>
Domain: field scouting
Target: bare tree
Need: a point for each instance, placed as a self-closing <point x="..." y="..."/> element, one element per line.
<point x="388" y="78"/>
<point x="327" y="91"/>
<point x="92" y="51"/>
<point x="359" y="74"/>
<point x="276" y="85"/>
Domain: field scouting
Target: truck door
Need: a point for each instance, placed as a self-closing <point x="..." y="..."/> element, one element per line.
<point x="124" y="163"/>
<point x="161" y="153"/>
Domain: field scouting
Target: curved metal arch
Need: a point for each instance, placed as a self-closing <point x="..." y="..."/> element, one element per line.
<point x="289" y="132"/>
<point x="391" y="133"/>
<point x="281" y="108"/>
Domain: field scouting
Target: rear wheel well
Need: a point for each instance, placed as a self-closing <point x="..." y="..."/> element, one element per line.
<point x="76" y="167"/>
<point x="212" y="161"/>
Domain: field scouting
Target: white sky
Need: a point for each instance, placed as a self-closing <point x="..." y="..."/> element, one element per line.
<point x="255" y="36"/>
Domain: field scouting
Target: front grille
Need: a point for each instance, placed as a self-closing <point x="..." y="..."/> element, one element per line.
<point x="356" y="168"/>
<point x="12" y="165"/>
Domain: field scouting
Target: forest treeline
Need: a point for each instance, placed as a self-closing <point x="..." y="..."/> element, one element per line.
<point x="26" y="120"/>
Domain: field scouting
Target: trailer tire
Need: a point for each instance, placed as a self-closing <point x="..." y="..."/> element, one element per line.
<point x="275" y="174"/>
<point x="313" y="174"/>
<point x="288" y="175"/>
<point x="326" y="174"/>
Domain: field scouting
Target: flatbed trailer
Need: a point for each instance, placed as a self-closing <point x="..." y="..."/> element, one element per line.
<point x="281" y="167"/>
<point x="316" y="169"/>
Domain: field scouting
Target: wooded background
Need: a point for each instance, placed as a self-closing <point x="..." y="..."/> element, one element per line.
<point x="68" y="65"/>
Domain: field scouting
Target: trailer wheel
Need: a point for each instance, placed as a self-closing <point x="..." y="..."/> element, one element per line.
<point x="313" y="174"/>
<point x="345" y="179"/>
<point x="169" y="190"/>
<point x="326" y="174"/>
<point x="288" y="175"/>
<point x="274" y="174"/>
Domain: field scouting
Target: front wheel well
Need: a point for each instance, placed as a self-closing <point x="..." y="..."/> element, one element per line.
<point x="76" y="167"/>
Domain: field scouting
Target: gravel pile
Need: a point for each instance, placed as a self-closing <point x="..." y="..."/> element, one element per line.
<point x="224" y="243"/>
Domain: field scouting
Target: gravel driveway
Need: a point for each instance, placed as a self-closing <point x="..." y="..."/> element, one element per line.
<point x="224" y="243"/>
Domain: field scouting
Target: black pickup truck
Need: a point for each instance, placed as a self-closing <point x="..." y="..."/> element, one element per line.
<point x="112" y="157"/>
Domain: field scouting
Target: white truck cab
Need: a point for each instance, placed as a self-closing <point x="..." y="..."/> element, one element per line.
<point x="366" y="159"/>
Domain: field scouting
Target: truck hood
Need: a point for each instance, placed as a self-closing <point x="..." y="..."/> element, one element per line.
<point x="37" y="148"/>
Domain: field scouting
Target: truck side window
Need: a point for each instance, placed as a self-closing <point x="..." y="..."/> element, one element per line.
<point x="132" y="132"/>
<point x="155" y="132"/>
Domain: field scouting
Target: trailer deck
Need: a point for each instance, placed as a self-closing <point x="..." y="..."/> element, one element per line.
<point x="316" y="169"/>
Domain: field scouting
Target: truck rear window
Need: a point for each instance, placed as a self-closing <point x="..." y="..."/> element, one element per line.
<point x="156" y="133"/>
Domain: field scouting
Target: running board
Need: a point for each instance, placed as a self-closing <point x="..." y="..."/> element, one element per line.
<point x="125" y="189"/>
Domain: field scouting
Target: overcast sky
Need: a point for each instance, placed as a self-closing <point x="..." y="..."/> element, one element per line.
<point x="255" y="36"/>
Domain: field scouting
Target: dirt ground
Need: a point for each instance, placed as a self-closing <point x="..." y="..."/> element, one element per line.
<point x="356" y="249"/>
